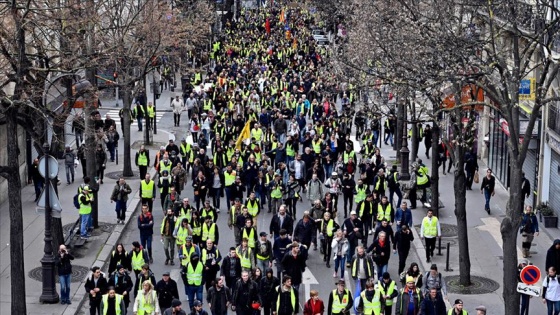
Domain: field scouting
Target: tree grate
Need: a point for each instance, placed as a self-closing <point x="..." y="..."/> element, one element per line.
<point x="479" y="285"/>
<point x="117" y="175"/>
<point x="447" y="230"/>
<point x="79" y="273"/>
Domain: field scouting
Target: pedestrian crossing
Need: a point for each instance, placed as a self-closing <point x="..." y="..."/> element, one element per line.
<point x="114" y="113"/>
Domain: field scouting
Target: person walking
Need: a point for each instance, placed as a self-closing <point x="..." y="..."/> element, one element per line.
<point x="403" y="216"/>
<point x="381" y="250"/>
<point x="142" y="160"/>
<point x="353" y="231"/>
<point x="121" y="283"/>
<point x="294" y="263"/>
<point x="119" y="256"/>
<point x="263" y="252"/>
<point x="457" y="308"/>
<point x="371" y="300"/>
<point x="192" y="274"/>
<point x="314" y="306"/>
<point x="306" y="231"/>
<point x="85" y="199"/>
<point x="434" y="279"/>
<point x="428" y="140"/>
<point x="64" y="267"/>
<point x="112" y="303"/>
<point x="231" y="268"/>
<point x="341" y="300"/>
<point x="433" y="304"/>
<point x="211" y="258"/>
<point x="339" y="246"/>
<point x="388" y="289"/>
<point x="326" y="227"/>
<point x="409" y="299"/>
<point x="287" y="298"/>
<point x="146" y="302"/>
<point x="394" y="186"/>
<point x="219" y="297"/>
<point x="178" y="107"/>
<point x="147" y="192"/>
<point x="403" y="240"/>
<point x="279" y="248"/>
<point x="167" y="291"/>
<point x="96" y="286"/>
<point x="70" y="164"/>
<point x="528" y="229"/>
<point x="112" y="142"/>
<point x="551" y="292"/>
<point x="553" y="255"/>
<point x="138" y="257"/>
<point x="487" y="188"/>
<point x="145" y="274"/>
<point x="36" y="178"/>
<point x="267" y="287"/>
<point x="362" y="267"/>
<point x="245" y="294"/>
<point x="430" y="230"/>
<point x="120" y="197"/>
<point x="100" y="162"/>
<point x="175" y="309"/>
<point x="146" y="228"/>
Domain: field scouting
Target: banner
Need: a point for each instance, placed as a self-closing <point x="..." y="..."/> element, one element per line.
<point x="245" y="134"/>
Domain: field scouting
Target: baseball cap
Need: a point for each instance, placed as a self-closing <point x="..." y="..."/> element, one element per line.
<point x="166" y="273"/>
<point x="481" y="308"/>
<point x="263" y="234"/>
<point x="458" y="301"/>
<point x="197" y="303"/>
<point x="353" y="212"/>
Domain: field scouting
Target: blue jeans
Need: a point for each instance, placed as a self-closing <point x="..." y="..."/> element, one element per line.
<point x="146" y="242"/>
<point x="140" y="123"/>
<point x="69" y="173"/>
<point x="524" y="304"/>
<point x="375" y="137"/>
<point x="399" y="194"/>
<point x="120" y="208"/>
<point x="38" y="185"/>
<point x="85" y="218"/>
<point x="487" y="196"/>
<point x="65" y="287"/>
<point x="381" y="269"/>
<point x="191" y="291"/>
<point x="550" y="305"/>
<point x="389" y="136"/>
<point x="111" y="147"/>
<point x="281" y="137"/>
<point x="340" y="261"/>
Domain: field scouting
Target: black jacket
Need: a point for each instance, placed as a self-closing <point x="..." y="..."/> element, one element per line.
<point x="121" y="283"/>
<point x="267" y="288"/>
<point x="218" y="299"/>
<point x="553" y="257"/>
<point x="167" y="291"/>
<point x="403" y="241"/>
<point x="141" y="278"/>
<point x="244" y="295"/>
<point x="117" y="258"/>
<point x="275" y="227"/>
<point x="63" y="264"/>
<point x="433" y="307"/>
<point x="226" y="266"/>
<point x="101" y="284"/>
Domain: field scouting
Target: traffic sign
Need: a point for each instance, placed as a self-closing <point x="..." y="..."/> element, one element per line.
<point x="530" y="275"/>
<point x="532" y="290"/>
<point x="53" y="166"/>
<point x="53" y="199"/>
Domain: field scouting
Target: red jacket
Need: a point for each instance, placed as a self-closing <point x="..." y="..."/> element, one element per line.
<point x="312" y="308"/>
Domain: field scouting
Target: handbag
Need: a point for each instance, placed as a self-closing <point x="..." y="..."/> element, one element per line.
<point x="476" y="177"/>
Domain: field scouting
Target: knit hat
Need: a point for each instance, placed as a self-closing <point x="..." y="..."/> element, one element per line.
<point x="409" y="279"/>
<point x="175" y="303"/>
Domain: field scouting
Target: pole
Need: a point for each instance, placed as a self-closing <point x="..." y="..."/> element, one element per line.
<point x="447" y="259"/>
<point x="49" y="294"/>
<point x="154" y="98"/>
<point x="405" y="152"/>
<point x="439" y="247"/>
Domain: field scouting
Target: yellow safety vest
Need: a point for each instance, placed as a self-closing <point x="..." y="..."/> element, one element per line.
<point x="143" y="307"/>
<point x="147" y="189"/>
<point x="373" y="306"/>
<point x="378" y="183"/>
<point x="292" y="299"/>
<point x="205" y="253"/>
<point x="360" y="193"/>
<point x="383" y="214"/>
<point x="253" y="207"/>
<point x="355" y="267"/>
<point x="137" y="260"/>
<point x="161" y="182"/>
<point x="206" y="212"/>
<point x="207" y="105"/>
<point x="194" y="276"/>
<point x="347" y="156"/>
<point x="290" y="150"/>
<point x="330" y="226"/>
<point x="142" y="159"/>
<point x="245" y="259"/>
<point x="209" y="233"/>
<point x="84" y="208"/>
<point x="317" y="146"/>
<point x="430" y="228"/>
<point x="229" y="178"/>
<point x="196" y="228"/>
<point x="390" y="290"/>
<point x="118" y="299"/>
<point x="338" y="306"/>
<point x="422" y="179"/>
<point x="182" y="234"/>
<point x="276" y="193"/>
<point x="187" y="254"/>
<point x="151" y="112"/>
<point x="257" y="133"/>
<point x="450" y="312"/>
<point x="250" y="237"/>
<point x="186" y="148"/>
<point x="163" y="167"/>
<point x="362" y="208"/>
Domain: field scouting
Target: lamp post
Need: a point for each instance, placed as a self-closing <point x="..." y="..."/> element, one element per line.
<point x="49" y="294"/>
<point x="405" y="152"/>
<point x="155" y="98"/>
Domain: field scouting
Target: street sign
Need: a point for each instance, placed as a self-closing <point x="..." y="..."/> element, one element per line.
<point x="532" y="290"/>
<point x="530" y="275"/>
<point x="53" y="166"/>
<point x="53" y="199"/>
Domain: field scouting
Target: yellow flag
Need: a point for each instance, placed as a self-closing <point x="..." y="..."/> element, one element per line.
<point x="245" y="134"/>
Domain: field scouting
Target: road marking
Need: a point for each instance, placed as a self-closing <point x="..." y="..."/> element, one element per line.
<point x="308" y="279"/>
<point x="115" y="113"/>
<point x="492" y="226"/>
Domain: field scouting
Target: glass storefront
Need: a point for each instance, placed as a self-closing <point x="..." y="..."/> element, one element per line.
<point x="498" y="156"/>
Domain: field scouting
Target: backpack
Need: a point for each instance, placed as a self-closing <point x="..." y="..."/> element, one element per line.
<point x="76" y="201"/>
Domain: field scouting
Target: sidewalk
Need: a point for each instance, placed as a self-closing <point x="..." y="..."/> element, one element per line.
<point x="97" y="249"/>
<point x="485" y="240"/>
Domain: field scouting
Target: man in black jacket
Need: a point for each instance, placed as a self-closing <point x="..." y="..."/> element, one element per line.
<point x="245" y="294"/>
<point x="122" y="283"/>
<point x="281" y="221"/>
<point x="267" y="286"/>
<point x="96" y="286"/>
<point x="403" y="239"/>
<point x="231" y="268"/>
<point x="166" y="289"/>
<point x="64" y="273"/>
<point x="219" y="297"/>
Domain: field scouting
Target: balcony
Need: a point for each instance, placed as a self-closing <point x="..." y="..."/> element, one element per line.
<point x="554" y="118"/>
<point x="526" y="13"/>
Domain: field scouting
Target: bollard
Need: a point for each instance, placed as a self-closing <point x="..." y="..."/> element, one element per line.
<point x="117" y="155"/>
<point x="439" y="247"/>
<point x="447" y="259"/>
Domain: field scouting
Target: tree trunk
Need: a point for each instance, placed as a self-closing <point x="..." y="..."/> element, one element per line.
<point x="460" y="190"/>
<point x="127" y="100"/>
<point x="509" y="229"/>
<point x="17" y="269"/>
<point x="435" y="170"/>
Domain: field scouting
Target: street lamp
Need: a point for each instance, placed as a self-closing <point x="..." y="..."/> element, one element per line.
<point x="49" y="294"/>
<point x="405" y="152"/>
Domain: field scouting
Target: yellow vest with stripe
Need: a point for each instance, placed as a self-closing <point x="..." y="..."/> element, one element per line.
<point x="142" y="159"/>
<point x="209" y="233"/>
<point x="207" y="105"/>
<point x="355" y="267"/>
<point x="338" y="306"/>
<point x="317" y="146"/>
<point x="422" y="179"/>
<point x="137" y="260"/>
<point x="463" y="312"/>
<point x="390" y="290"/>
<point x="194" y="276"/>
<point x="362" y="208"/>
<point x="118" y="299"/>
<point x="182" y="234"/>
<point x="430" y="228"/>
<point x="147" y="189"/>
<point x="143" y="307"/>
<point x="163" y="167"/>
<point x="229" y="178"/>
<point x="245" y="260"/>
<point x="330" y="227"/>
<point x="187" y="254"/>
<point x="196" y="228"/>
<point x="373" y="306"/>
<point x="253" y="207"/>
<point x="360" y="193"/>
<point x="378" y="183"/>
<point x="206" y="212"/>
<point x="250" y="238"/>
<point x="292" y="298"/>
<point x="347" y="156"/>
<point x="290" y="150"/>
<point x="384" y="214"/>
<point x="84" y="208"/>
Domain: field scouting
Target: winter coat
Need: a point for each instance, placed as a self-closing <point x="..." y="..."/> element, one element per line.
<point x="122" y="283"/>
<point x="63" y="264"/>
<point x="218" y="297"/>
<point x="341" y="244"/>
<point x="433" y="307"/>
<point x="403" y="300"/>
<point x="146" y="225"/>
<point x="553" y="257"/>
<point x="305" y="231"/>
<point x="267" y="286"/>
<point x="141" y="278"/>
<point x="294" y="267"/>
<point x="314" y="190"/>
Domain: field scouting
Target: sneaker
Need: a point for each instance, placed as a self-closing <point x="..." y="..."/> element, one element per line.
<point x="328" y="265"/>
<point x="334" y="274"/>
<point x="84" y="237"/>
<point x="68" y="302"/>
<point x="341" y="279"/>
<point x="217" y="210"/>
<point x="370" y="232"/>
<point x="172" y="263"/>
<point x="62" y="302"/>
<point x="167" y="262"/>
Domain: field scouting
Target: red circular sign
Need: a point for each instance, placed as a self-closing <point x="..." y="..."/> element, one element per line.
<point x="530" y="275"/>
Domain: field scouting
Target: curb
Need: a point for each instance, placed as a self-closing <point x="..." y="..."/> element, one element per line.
<point x="105" y="253"/>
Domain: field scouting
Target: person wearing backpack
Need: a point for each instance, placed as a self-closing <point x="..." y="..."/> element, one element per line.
<point x="434" y="279"/>
<point x="529" y="228"/>
<point x="551" y="292"/>
<point x="393" y="185"/>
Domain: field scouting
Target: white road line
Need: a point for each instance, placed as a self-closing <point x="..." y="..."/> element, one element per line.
<point x="492" y="226"/>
